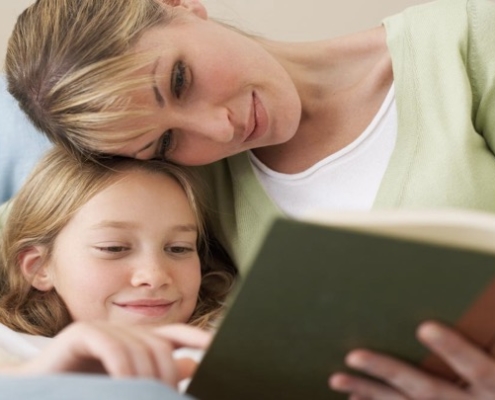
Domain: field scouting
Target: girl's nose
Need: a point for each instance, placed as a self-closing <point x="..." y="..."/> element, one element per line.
<point x="151" y="271"/>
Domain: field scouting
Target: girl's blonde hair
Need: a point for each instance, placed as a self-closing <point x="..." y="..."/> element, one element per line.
<point x="58" y="187"/>
<point x="70" y="65"/>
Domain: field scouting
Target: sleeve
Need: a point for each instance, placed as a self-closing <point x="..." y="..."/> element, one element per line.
<point x="21" y="145"/>
<point x="84" y="387"/>
<point x="4" y="211"/>
<point x="481" y="66"/>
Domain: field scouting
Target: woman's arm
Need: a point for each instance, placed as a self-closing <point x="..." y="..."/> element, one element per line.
<point x="402" y="381"/>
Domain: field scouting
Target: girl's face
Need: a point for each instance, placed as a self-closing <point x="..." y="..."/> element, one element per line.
<point x="216" y="93"/>
<point x="129" y="254"/>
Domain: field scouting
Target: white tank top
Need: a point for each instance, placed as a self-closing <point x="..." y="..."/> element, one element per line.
<point x="346" y="180"/>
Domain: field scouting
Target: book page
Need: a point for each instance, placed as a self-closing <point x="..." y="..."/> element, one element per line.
<point x="457" y="228"/>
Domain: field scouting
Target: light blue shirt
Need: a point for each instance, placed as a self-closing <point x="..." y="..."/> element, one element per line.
<point x="21" y="145"/>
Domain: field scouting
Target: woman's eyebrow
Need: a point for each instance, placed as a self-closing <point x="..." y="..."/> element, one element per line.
<point x="159" y="98"/>
<point x="134" y="155"/>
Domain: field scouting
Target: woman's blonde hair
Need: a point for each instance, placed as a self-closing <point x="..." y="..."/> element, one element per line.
<point x="70" y="65"/>
<point x="54" y="192"/>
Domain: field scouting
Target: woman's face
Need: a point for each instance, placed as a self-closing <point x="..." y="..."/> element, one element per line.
<point x="129" y="254"/>
<point x="216" y="93"/>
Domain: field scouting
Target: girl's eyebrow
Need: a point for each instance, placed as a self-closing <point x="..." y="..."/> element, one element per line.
<point x="186" y="228"/>
<point x="159" y="98"/>
<point x="130" y="225"/>
<point x="113" y="224"/>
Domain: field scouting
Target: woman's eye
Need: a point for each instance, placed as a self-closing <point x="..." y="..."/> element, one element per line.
<point x="179" y="79"/>
<point x="165" y="145"/>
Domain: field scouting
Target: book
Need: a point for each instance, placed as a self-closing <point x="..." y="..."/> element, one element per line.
<point x="334" y="282"/>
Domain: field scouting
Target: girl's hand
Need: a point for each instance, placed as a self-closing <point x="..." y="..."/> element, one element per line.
<point x="119" y="351"/>
<point x="406" y="382"/>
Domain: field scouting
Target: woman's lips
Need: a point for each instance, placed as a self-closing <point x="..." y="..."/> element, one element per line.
<point x="258" y="121"/>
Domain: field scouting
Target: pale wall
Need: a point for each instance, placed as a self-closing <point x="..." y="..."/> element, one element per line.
<point x="281" y="19"/>
<point x="306" y="19"/>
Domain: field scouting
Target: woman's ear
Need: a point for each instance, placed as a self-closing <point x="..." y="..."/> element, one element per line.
<point x="195" y="6"/>
<point x="35" y="268"/>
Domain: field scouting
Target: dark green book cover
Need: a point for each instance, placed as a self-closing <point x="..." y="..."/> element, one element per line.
<point x="316" y="292"/>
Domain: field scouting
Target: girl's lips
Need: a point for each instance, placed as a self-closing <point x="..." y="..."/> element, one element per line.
<point x="260" y="120"/>
<point x="149" y="308"/>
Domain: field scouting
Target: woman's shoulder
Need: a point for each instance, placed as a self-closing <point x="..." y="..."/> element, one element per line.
<point x="443" y="32"/>
<point x="445" y="14"/>
<point x="434" y="15"/>
<point x="437" y="31"/>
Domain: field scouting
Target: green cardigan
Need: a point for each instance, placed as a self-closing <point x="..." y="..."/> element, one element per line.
<point x="443" y="57"/>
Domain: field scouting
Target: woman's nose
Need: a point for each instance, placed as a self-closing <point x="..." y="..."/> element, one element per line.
<point x="209" y="123"/>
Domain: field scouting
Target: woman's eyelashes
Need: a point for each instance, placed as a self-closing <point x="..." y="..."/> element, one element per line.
<point x="179" y="81"/>
<point x="164" y="145"/>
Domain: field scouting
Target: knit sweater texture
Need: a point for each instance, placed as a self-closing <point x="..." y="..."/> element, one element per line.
<point x="443" y="58"/>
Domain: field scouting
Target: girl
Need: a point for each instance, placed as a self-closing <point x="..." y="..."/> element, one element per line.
<point x="396" y="116"/>
<point x="121" y="241"/>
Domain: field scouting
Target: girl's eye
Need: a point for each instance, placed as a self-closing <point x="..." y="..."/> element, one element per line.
<point x="113" y="249"/>
<point x="179" y="250"/>
<point x="179" y="79"/>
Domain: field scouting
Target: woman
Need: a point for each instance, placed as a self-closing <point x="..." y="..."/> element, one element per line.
<point x="397" y="116"/>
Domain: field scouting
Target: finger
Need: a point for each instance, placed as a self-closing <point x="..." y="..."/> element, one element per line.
<point x="184" y="335"/>
<point x="186" y="367"/>
<point x="410" y="381"/>
<point x="361" y="388"/>
<point x="96" y="344"/>
<point x="122" y="355"/>
<point x="467" y="360"/>
<point x="162" y="354"/>
<point x="122" y="352"/>
<point x="141" y="353"/>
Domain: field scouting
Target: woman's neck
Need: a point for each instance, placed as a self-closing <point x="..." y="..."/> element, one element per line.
<point x="341" y="82"/>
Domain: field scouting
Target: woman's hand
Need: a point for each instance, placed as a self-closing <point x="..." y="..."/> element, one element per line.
<point x="119" y="351"/>
<point x="406" y="382"/>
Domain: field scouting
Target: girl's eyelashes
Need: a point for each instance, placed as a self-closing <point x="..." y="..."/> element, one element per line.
<point x="179" y="81"/>
<point x="178" y="250"/>
<point x="112" y="249"/>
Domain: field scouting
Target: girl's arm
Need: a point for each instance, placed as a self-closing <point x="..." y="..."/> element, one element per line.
<point x="118" y="351"/>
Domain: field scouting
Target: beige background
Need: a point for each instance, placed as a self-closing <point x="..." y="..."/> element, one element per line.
<point x="279" y="19"/>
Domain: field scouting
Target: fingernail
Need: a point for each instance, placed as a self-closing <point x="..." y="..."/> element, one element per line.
<point x="430" y="332"/>
<point x="356" y="360"/>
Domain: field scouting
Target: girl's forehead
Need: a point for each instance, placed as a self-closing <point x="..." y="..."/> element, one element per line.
<point x="137" y="195"/>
